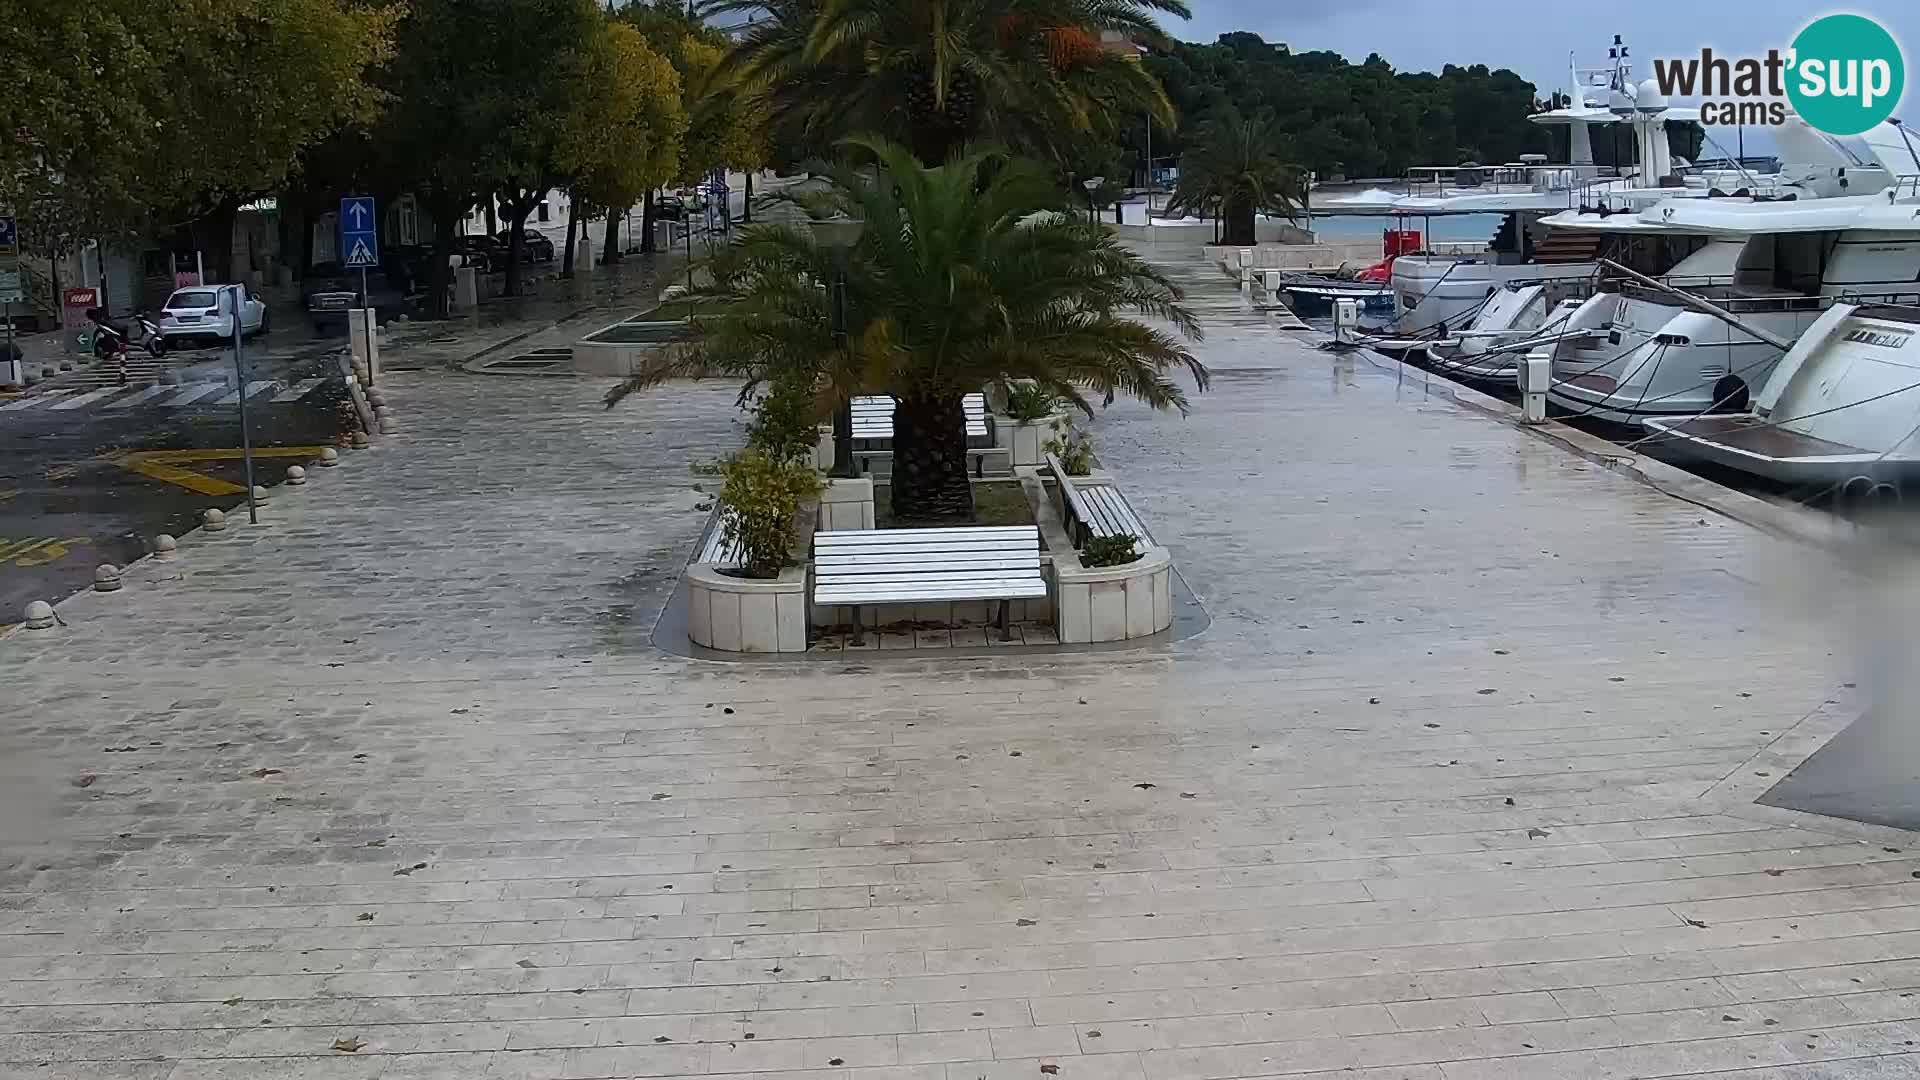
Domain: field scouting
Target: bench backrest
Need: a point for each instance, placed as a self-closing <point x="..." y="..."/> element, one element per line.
<point x="873" y="416"/>
<point x="931" y="555"/>
<point x="1077" y="509"/>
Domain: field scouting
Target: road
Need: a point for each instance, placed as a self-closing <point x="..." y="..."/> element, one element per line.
<point x="91" y="470"/>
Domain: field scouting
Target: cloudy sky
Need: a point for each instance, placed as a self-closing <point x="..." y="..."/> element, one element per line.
<point x="1533" y="37"/>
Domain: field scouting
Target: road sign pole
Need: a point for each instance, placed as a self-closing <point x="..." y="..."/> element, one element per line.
<point x="367" y="317"/>
<point x="8" y="357"/>
<point x="246" y="433"/>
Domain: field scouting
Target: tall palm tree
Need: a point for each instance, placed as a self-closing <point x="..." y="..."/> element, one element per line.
<point x="966" y="275"/>
<point x="1238" y="168"/>
<point x="1027" y="74"/>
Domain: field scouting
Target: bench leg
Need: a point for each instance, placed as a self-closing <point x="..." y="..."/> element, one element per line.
<point x="1006" y="627"/>
<point x="979" y="465"/>
<point x="859" y="632"/>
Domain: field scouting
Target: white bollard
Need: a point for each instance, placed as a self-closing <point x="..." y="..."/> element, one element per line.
<point x="359" y="441"/>
<point x="165" y="547"/>
<point x="296" y="475"/>
<point x="39" y="615"/>
<point x="261" y="495"/>
<point x="384" y="417"/>
<point x="329" y="457"/>
<point x="106" y="578"/>
<point x="213" y="520"/>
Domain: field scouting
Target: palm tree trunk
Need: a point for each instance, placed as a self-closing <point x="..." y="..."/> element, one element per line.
<point x="1239" y="223"/>
<point x="930" y="460"/>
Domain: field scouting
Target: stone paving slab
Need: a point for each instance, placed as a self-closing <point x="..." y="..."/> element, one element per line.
<point x="1456" y="786"/>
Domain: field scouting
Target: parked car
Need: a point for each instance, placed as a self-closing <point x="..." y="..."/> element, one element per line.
<point x="534" y="245"/>
<point x="669" y="208"/>
<point x="329" y="290"/>
<point x="483" y="252"/>
<point x="204" y="314"/>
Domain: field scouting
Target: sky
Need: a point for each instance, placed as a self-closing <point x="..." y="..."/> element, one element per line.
<point x="1533" y="37"/>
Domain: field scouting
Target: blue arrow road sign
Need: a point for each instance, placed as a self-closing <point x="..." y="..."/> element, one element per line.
<point x="359" y="232"/>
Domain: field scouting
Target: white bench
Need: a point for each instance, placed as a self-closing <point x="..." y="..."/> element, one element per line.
<point x="907" y="566"/>
<point x="1096" y="509"/>
<point x="873" y="417"/>
<point x="716" y="550"/>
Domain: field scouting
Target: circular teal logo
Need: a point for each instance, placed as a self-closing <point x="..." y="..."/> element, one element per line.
<point x="1847" y="74"/>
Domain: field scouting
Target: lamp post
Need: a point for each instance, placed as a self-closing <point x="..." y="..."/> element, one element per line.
<point x="838" y="234"/>
<point x="1092" y="184"/>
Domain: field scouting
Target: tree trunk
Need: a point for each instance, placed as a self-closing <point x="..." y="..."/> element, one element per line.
<point x="647" y="244"/>
<point x="746" y="206"/>
<point x="516" y="244"/>
<point x="573" y="219"/>
<point x="1239" y="217"/>
<point x="612" y="252"/>
<point x="930" y="460"/>
<point x="493" y="224"/>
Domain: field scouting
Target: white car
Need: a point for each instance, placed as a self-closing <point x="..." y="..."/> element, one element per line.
<point x="205" y="313"/>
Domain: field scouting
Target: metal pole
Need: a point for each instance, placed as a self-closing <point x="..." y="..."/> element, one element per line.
<point x="6" y="355"/>
<point x="842" y="412"/>
<point x="367" y="315"/>
<point x="246" y="434"/>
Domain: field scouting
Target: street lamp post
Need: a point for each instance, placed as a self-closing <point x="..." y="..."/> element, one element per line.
<point x="1092" y="184"/>
<point x="839" y="234"/>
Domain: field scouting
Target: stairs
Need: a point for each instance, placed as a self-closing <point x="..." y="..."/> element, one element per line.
<point x="1567" y="246"/>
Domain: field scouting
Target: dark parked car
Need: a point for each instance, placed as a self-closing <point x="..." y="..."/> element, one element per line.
<point x="534" y="245"/>
<point x="669" y="208"/>
<point x="329" y="290"/>
<point x="483" y="253"/>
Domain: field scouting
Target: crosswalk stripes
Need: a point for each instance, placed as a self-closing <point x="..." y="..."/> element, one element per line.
<point x="165" y="396"/>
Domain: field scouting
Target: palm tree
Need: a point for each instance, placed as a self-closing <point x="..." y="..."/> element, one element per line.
<point x="1236" y="169"/>
<point x="1027" y="74"/>
<point x="967" y="275"/>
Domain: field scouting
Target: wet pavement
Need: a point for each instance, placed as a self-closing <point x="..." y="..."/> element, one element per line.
<point x="1459" y="784"/>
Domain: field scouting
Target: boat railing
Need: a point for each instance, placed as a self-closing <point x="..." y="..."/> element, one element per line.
<point x="1718" y="295"/>
<point x="1438" y="181"/>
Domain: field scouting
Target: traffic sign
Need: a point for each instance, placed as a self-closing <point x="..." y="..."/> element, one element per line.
<point x="359" y="232"/>
<point x="10" y="292"/>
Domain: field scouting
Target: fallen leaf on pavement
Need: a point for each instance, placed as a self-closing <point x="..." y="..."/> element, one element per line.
<point x="365" y="916"/>
<point x="349" y="1045"/>
<point x="1025" y="922"/>
<point x="85" y="779"/>
<point x="261" y="774"/>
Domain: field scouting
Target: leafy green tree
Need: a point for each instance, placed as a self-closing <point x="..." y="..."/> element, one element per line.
<point x="1237" y="170"/>
<point x="474" y="91"/>
<point x="127" y="117"/>
<point x="1029" y="74"/>
<point x="624" y="134"/>
<point x="966" y="275"/>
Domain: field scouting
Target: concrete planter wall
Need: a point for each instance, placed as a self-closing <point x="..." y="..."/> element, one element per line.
<point x="847" y="504"/>
<point x="1113" y="603"/>
<point x="1026" y="442"/>
<point x="755" y="615"/>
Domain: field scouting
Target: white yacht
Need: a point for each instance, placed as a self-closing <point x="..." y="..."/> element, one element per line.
<point x="1631" y="353"/>
<point x="1842" y="409"/>
<point x="1526" y="315"/>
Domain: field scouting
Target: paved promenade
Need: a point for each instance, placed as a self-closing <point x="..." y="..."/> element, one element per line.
<point x="1457" y="786"/>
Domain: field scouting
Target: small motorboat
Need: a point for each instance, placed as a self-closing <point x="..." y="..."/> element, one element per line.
<point x="1317" y="297"/>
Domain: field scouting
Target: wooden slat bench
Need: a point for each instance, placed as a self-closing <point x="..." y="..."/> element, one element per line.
<point x="1096" y="509"/>
<point x="716" y="550"/>
<point x="906" y="566"/>
<point x="873" y="417"/>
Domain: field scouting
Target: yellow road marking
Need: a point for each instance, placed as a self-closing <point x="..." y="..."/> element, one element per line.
<point x="37" y="550"/>
<point x="164" y="465"/>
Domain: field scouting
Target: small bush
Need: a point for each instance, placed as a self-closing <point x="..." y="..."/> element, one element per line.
<point x="1073" y="447"/>
<point x="757" y="506"/>
<point x="1027" y="402"/>
<point x="785" y="426"/>
<point x="1110" y="550"/>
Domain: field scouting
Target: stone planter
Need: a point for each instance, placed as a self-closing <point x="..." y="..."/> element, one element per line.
<point x="846" y="504"/>
<point x="1113" y="603"/>
<point x="1026" y="442"/>
<point x="754" y="615"/>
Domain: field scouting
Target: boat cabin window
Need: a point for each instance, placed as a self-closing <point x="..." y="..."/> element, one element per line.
<point x="1783" y="263"/>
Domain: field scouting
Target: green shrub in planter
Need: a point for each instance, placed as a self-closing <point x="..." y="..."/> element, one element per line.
<point x="757" y="506"/>
<point x="1110" y="551"/>
<point x="1073" y="447"/>
<point x="785" y="424"/>
<point x="1027" y="402"/>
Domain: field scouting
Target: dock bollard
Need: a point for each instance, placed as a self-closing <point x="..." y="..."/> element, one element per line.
<point x="106" y="578"/>
<point x="213" y="520"/>
<point x="329" y="457"/>
<point x="296" y="475"/>
<point x="165" y="547"/>
<point x="39" y="615"/>
<point x="261" y="496"/>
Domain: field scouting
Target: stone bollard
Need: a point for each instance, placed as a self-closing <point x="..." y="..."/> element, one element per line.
<point x="384" y="417"/>
<point x="39" y="615"/>
<point x="329" y="457"/>
<point x="261" y="496"/>
<point x="106" y="578"/>
<point x="296" y="475"/>
<point x="165" y="547"/>
<point x="359" y="440"/>
<point x="375" y="397"/>
<point x="213" y="520"/>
